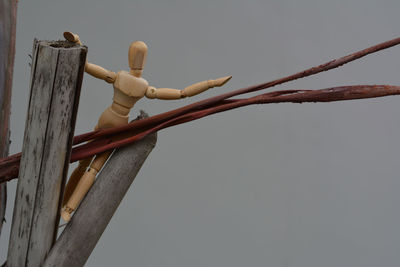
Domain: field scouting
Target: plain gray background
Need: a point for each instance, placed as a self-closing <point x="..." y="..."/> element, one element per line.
<point x="283" y="185"/>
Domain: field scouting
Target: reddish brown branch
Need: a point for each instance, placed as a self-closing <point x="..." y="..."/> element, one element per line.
<point x="155" y="120"/>
<point x="9" y="166"/>
<point x="294" y="96"/>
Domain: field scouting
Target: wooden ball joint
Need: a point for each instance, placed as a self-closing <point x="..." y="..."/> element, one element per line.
<point x="129" y="87"/>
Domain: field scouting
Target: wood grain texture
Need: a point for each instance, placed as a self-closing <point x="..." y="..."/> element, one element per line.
<point x="80" y="236"/>
<point x="8" y="11"/>
<point x="55" y="88"/>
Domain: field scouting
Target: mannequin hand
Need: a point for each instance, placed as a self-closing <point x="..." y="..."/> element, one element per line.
<point x="72" y="37"/>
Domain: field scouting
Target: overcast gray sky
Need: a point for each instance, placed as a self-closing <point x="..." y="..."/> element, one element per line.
<point x="283" y="185"/>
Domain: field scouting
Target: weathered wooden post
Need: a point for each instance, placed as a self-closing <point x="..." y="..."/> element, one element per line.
<point x="57" y="71"/>
<point x="8" y="10"/>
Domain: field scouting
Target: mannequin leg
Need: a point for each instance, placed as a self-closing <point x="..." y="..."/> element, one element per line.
<point x="84" y="185"/>
<point x="74" y="179"/>
<point x="80" y="186"/>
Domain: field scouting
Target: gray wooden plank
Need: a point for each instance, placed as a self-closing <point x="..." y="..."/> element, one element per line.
<point x="7" y="51"/>
<point x="82" y="233"/>
<point x="55" y="158"/>
<point x="55" y="89"/>
<point x="34" y="140"/>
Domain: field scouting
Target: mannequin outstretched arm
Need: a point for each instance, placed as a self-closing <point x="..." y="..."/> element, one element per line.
<point x="194" y="89"/>
<point x="100" y="72"/>
<point x="92" y="69"/>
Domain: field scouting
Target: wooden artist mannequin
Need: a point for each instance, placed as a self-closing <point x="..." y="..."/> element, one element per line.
<point x="129" y="87"/>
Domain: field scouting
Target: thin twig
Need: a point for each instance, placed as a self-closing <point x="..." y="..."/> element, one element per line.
<point x="294" y="96"/>
<point x="154" y="120"/>
<point x="9" y="166"/>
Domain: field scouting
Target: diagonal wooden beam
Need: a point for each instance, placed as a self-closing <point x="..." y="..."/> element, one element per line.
<point x="82" y="233"/>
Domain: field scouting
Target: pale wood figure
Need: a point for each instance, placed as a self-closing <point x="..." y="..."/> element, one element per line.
<point x="129" y="87"/>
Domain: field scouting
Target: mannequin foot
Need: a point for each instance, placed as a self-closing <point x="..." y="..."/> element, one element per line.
<point x="66" y="213"/>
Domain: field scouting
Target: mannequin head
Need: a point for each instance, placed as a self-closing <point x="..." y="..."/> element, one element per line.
<point x="137" y="57"/>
